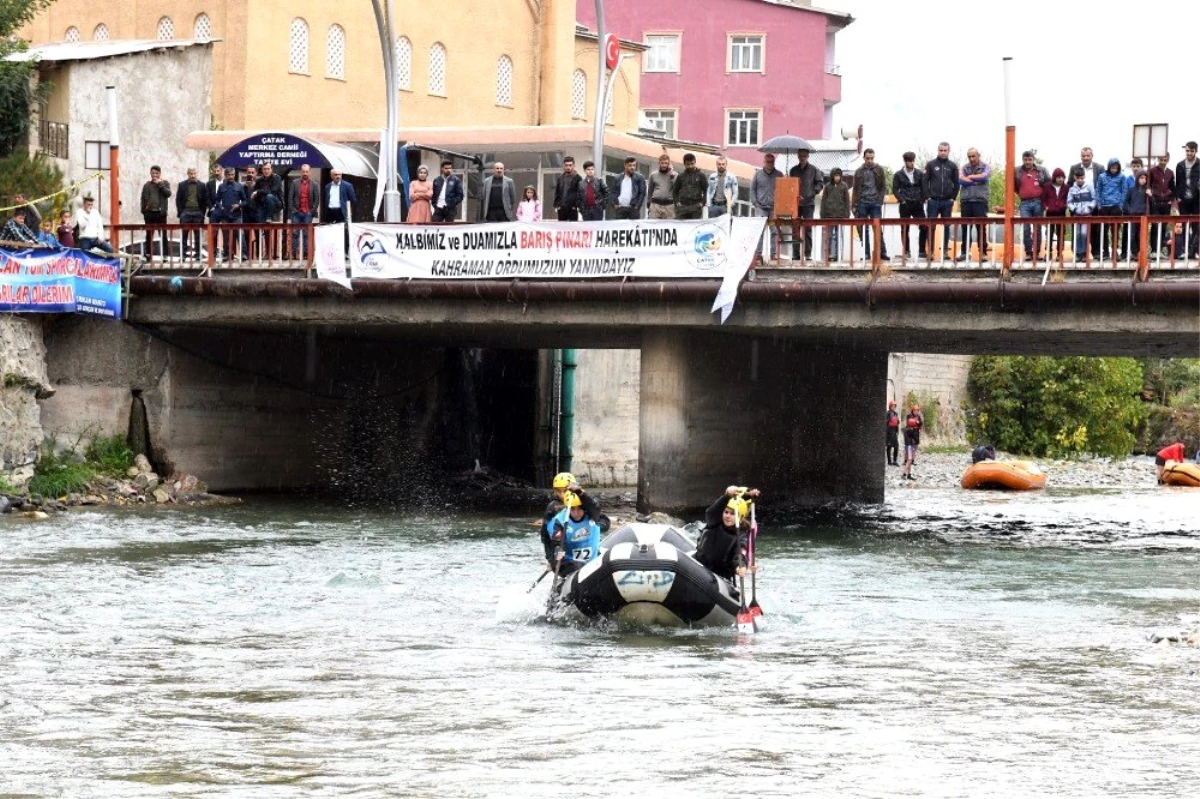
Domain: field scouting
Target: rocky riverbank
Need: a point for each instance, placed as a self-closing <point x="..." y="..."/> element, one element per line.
<point x="942" y="469"/>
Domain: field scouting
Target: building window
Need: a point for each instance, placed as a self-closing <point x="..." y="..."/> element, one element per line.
<point x="96" y="156"/>
<point x="663" y="119"/>
<point x="298" y="47"/>
<point x="743" y="128"/>
<point x="579" y="95"/>
<point x="745" y="53"/>
<point x="404" y="64"/>
<point x="504" y="81"/>
<point x="54" y="138"/>
<point x="437" y="69"/>
<point x="663" y="55"/>
<point x="202" y="28"/>
<point x="166" y="29"/>
<point x="100" y="34"/>
<point x="335" y="53"/>
<point x="72" y="34"/>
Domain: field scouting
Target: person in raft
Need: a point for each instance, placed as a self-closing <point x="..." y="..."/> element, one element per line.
<point x="1174" y="452"/>
<point x="726" y="536"/>
<point x="575" y="535"/>
<point x="984" y="452"/>
<point x="564" y="482"/>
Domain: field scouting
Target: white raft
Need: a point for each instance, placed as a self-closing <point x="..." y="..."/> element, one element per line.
<point x="646" y="574"/>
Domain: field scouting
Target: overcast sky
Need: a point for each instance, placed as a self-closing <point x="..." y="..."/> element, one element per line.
<point x="915" y="72"/>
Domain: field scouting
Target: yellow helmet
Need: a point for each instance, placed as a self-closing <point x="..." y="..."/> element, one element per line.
<point x="563" y="479"/>
<point x="571" y="500"/>
<point x="740" y="506"/>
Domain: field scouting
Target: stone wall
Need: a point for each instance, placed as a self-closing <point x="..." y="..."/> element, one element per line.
<point x="929" y="375"/>
<point x="606" y="417"/>
<point x="23" y="370"/>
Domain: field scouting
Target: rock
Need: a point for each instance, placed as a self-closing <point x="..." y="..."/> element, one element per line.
<point x="161" y="496"/>
<point x="142" y="464"/>
<point x="5" y="504"/>
<point x="35" y="514"/>
<point x="188" y="483"/>
<point x="662" y="518"/>
<point x="133" y="471"/>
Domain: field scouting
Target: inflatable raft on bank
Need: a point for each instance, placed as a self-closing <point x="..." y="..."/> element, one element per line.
<point x="645" y="574"/>
<point x="1004" y="476"/>
<point x="1181" y="474"/>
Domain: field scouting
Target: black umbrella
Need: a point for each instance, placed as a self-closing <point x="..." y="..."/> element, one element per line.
<point x="785" y="144"/>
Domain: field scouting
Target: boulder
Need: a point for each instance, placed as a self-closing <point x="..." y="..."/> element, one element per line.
<point x="5" y="504"/>
<point x="142" y="464"/>
<point x="35" y="514"/>
<point x="188" y="483"/>
<point x="161" y="496"/>
<point x="133" y="471"/>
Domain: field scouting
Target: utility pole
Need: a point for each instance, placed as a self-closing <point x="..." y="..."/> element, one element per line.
<point x="114" y="157"/>
<point x="385" y="22"/>
<point x="601" y="68"/>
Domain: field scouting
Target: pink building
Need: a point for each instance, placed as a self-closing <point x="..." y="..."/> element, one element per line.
<point x="732" y="73"/>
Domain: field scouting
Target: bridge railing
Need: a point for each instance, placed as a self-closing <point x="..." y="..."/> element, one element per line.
<point x="1142" y="243"/>
<point x="211" y="247"/>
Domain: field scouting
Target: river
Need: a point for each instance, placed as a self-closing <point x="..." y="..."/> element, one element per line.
<point x="946" y="643"/>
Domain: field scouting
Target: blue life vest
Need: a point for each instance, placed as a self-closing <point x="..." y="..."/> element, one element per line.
<point x="581" y="539"/>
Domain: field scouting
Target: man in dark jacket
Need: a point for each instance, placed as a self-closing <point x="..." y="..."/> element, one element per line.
<point x="1187" y="188"/>
<point x="155" y="193"/>
<point x="941" y="190"/>
<point x="1162" y="195"/>
<point x="447" y="194"/>
<point x="724" y="542"/>
<point x="689" y="190"/>
<point x="593" y="194"/>
<point x="870" y="187"/>
<point x="812" y="180"/>
<point x="629" y="192"/>
<point x="303" y="205"/>
<point x="908" y="187"/>
<point x="191" y="204"/>
<point x="566" y="192"/>
<point x="227" y="208"/>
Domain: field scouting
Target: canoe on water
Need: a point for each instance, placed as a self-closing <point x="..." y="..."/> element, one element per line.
<point x="1004" y="476"/>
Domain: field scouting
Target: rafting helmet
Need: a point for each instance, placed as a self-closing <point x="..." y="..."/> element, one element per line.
<point x="563" y="479"/>
<point x="740" y="506"/>
<point x="571" y="500"/>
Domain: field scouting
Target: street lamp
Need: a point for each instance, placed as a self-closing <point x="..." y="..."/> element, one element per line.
<point x="598" y="127"/>
<point x="385" y="22"/>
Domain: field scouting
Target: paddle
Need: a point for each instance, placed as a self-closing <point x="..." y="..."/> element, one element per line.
<point x="745" y="621"/>
<point x="756" y="612"/>
<point x="541" y="577"/>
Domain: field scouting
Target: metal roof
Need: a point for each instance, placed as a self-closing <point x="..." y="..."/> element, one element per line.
<point x="90" y="51"/>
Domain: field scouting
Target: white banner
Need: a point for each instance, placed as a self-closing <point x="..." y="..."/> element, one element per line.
<point x="553" y="250"/>
<point x="744" y="236"/>
<point x="329" y="253"/>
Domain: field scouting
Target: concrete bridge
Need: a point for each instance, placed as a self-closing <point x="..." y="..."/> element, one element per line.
<point x="787" y="394"/>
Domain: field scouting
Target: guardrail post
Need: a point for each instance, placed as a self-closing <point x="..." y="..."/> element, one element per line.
<point x="211" y="239"/>
<point x="1143" y="270"/>
<point x="877" y="232"/>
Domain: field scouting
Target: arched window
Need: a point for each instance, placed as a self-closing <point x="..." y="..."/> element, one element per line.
<point x="504" y="81"/>
<point x="578" y="94"/>
<point x="100" y="34"/>
<point x="166" y="29"/>
<point x="437" y="69"/>
<point x="404" y="64"/>
<point x="298" y="47"/>
<point x="72" y="34"/>
<point x="202" y="28"/>
<point x="335" y="52"/>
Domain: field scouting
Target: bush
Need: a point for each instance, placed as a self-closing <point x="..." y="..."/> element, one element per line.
<point x="34" y="177"/>
<point x="56" y="475"/>
<point x="109" y="456"/>
<point x="1056" y="407"/>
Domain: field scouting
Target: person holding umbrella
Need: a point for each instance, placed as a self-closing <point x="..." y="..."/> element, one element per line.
<point x="812" y="180"/>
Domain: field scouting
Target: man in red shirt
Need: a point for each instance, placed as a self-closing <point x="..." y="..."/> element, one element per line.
<point x="1174" y="452"/>
<point x="1162" y="195"/>
<point x="1029" y="181"/>
<point x="304" y="201"/>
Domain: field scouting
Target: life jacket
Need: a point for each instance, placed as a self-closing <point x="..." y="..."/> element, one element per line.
<point x="913" y="421"/>
<point x="580" y="539"/>
<point x="893" y="420"/>
<point x="714" y="548"/>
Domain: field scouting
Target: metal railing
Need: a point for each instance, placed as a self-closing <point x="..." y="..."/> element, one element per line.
<point x="1138" y="243"/>
<point x="214" y="246"/>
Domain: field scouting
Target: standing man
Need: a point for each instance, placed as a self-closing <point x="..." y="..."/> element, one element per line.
<point x="892" y="427"/>
<point x="155" y="193"/>
<point x="908" y="187"/>
<point x="762" y="197"/>
<point x="210" y="188"/>
<point x="447" y="194"/>
<point x="1091" y="172"/>
<point x="338" y="199"/>
<point x="304" y="201"/>
<point x="1111" y="187"/>
<point x="498" y="199"/>
<point x="630" y="191"/>
<point x="268" y="196"/>
<point x="566" y="192"/>
<point x="1162" y="195"/>
<point x="722" y="189"/>
<point x="912" y="439"/>
<point x="941" y="187"/>
<point x="1028" y="184"/>
<point x="227" y="208"/>
<point x="662" y="190"/>
<point x="973" y="181"/>
<point x="870" y="185"/>
<point x="593" y="194"/>
<point x="191" y="205"/>
<point x="1187" y="187"/>
<point x="690" y="189"/>
<point x="812" y="180"/>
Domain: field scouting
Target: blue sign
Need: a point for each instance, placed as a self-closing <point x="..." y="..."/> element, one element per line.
<point x="280" y="150"/>
<point x="59" y="281"/>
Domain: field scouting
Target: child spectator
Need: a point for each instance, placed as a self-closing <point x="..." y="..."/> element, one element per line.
<point x="66" y="230"/>
<point x="1054" y="201"/>
<point x="835" y="204"/>
<point x="530" y="207"/>
<point x="1081" y="201"/>
<point x="1137" y="203"/>
<point x="46" y="235"/>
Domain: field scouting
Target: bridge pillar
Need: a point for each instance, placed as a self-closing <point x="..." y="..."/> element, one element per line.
<point x="802" y="423"/>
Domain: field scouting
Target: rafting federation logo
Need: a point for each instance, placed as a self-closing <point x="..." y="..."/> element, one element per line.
<point x="707" y="244"/>
<point x="371" y="251"/>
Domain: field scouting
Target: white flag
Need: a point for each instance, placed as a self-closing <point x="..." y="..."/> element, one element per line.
<point x="330" y="254"/>
<point x="744" y="234"/>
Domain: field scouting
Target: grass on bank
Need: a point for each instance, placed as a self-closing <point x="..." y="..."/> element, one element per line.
<point x="69" y="472"/>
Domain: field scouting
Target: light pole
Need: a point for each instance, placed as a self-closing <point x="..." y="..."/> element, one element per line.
<point x="385" y="22"/>
<point x="602" y="66"/>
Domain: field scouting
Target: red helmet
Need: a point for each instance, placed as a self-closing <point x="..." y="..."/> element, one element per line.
<point x="892" y="404"/>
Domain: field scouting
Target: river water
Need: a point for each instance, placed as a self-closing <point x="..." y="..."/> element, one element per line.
<point x="947" y="643"/>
